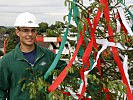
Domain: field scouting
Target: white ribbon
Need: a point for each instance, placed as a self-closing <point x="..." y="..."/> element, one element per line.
<point x="125" y="67"/>
<point x="72" y="93"/>
<point x="123" y="18"/>
<point x="118" y="26"/>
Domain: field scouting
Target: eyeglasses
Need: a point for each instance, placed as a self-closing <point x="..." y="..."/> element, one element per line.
<point x="28" y="30"/>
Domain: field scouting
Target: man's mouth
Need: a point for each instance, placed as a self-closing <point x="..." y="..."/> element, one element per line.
<point x="29" y="39"/>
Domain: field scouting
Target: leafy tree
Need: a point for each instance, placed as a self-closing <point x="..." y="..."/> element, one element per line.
<point x="43" y="26"/>
<point x="52" y="27"/>
<point x="59" y="25"/>
<point x="12" y="40"/>
<point x="53" y="33"/>
<point x="2" y="30"/>
<point x="73" y="29"/>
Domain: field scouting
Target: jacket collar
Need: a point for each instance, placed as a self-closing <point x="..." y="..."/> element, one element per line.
<point x="19" y="55"/>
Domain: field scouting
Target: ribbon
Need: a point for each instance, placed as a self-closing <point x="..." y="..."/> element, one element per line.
<point x="131" y="15"/>
<point x="72" y="93"/>
<point x="123" y="18"/>
<point x="104" y="43"/>
<point x="63" y="74"/>
<point x="118" y="26"/>
<point x="96" y="20"/>
<point x="115" y="51"/>
<point x="52" y="67"/>
<point x="87" y="52"/>
<point x="76" y="13"/>
<point x="84" y="85"/>
<point x="125" y="67"/>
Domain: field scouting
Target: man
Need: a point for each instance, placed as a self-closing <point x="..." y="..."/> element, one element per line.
<point x="26" y="54"/>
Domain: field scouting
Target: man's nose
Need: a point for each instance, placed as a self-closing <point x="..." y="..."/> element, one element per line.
<point x="30" y="32"/>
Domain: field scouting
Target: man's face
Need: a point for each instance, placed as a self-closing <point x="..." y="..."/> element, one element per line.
<point x="27" y="35"/>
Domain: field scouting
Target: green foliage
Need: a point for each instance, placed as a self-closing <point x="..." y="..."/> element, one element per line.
<point x="53" y="33"/>
<point x="11" y="31"/>
<point x="11" y="40"/>
<point x="38" y="88"/>
<point x="43" y="26"/>
<point x="67" y="56"/>
<point x="11" y="45"/>
<point x="58" y="95"/>
<point x="2" y="30"/>
<point x="94" y="87"/>
<point x="55" y="30"/>
<point x="1" y="53"/>
<point x="59" y="25"/>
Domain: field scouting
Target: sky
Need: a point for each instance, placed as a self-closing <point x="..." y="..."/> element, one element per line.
<point x="45" y="10"/>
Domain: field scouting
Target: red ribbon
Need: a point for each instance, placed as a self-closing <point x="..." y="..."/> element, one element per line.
<point x="122" y="25"/>
<point x="83" y="88"/>
<point x="106" y="91"/>
<point x="88" y="50"/>
<point x="66" y="93"/>
<point x="115" y="51"/>
<point x="5" y="44"/>
<point x="92" y="31"/>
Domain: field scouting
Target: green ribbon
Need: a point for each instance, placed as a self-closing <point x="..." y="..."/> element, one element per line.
<point x="91" y="61"/>
<point x="132" y="28"/>
<point x="76" y="16"/>
<point x="81" y="52"/>
<point x="52" y="67"/>
<point x="75" y="13"/>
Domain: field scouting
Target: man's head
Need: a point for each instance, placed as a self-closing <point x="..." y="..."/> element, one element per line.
<point x="26" y="28"/>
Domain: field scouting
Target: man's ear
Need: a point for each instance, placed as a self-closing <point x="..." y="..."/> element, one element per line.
<point x="17" y="32"/>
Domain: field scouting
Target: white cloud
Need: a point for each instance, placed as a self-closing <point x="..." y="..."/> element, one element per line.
<point x="45" y="10"/>
<point x="31" y="2"/>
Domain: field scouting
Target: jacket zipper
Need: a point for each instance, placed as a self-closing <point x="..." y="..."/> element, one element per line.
<point x="32" y="66"/>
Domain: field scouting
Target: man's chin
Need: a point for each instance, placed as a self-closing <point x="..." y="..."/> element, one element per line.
<point x="29" y="43"/>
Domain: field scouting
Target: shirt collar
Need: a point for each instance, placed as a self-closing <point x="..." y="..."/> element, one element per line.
<point x="19" y="55"/>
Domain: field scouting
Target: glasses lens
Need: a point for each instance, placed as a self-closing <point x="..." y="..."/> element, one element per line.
<point x="33" y="30"/>
<point x="25" y="30"/>
<point x="28" y="30"/>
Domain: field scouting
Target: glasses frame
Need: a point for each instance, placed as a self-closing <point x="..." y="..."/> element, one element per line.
<point x="25" y="30"/>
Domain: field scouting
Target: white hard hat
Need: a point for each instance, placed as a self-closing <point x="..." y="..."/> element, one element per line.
<point x="26" y="20"/>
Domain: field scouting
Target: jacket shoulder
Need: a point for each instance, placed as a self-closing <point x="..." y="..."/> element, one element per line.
<point x="9" y="55"/>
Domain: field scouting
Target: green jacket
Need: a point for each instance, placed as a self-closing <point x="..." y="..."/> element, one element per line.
<point x="13" y="68"/>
